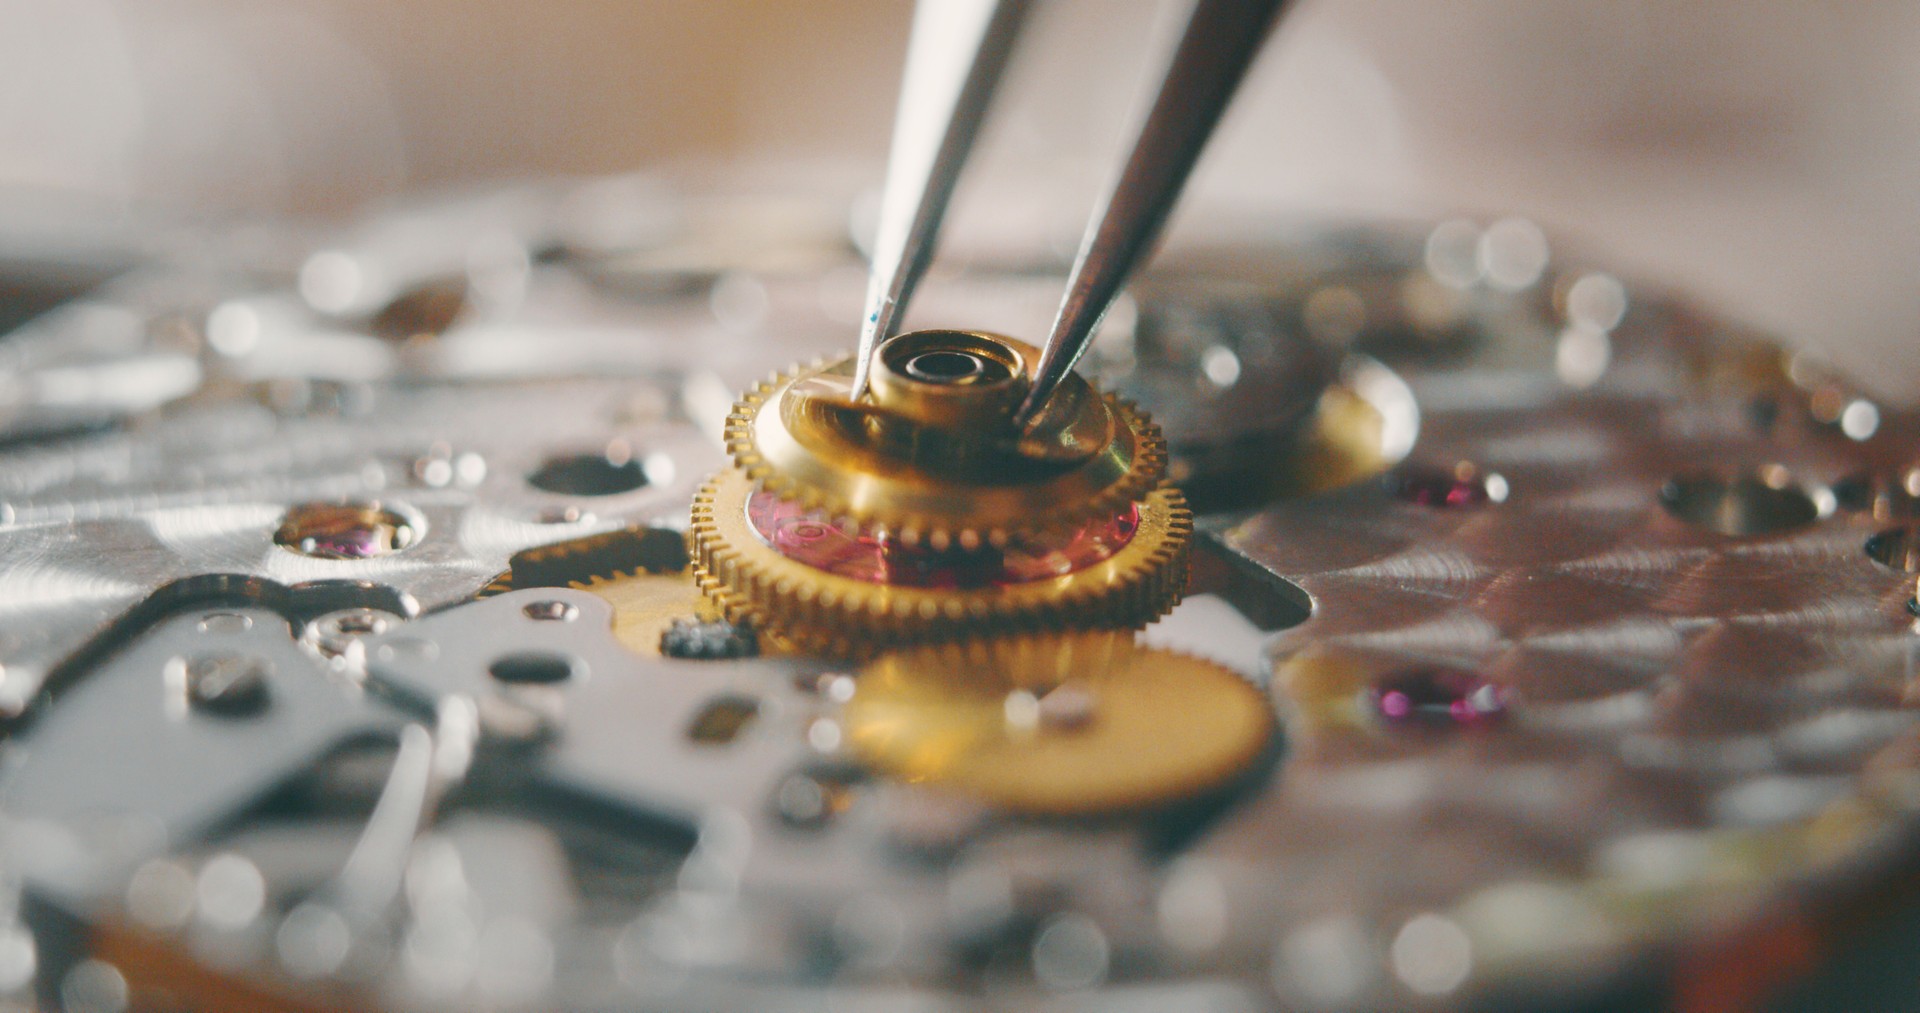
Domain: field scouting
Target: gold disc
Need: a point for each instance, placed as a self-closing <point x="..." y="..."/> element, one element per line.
<point x="1065" y="725"/>
<point x="942" y="463"/>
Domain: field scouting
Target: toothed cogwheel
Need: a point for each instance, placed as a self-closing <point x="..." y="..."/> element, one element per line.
<point x="846" y="590"/>
<point x="643" y="573"/>
<point x="932" y="456"/>
<point x="1058" y="726"/>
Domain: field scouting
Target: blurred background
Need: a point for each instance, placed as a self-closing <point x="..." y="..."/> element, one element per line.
<point x="1760" y="154"/>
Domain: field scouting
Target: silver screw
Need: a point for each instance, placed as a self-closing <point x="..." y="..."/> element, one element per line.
<point x="335" y="634"/>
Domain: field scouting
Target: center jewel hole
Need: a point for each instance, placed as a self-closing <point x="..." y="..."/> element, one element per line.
<point x="945" y="367"/>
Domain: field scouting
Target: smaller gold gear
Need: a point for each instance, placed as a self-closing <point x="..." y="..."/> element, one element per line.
<point x="1063" y="726"/>
<point x="932" y="455"/>
<point x="642" y="572"/>
<point x="646" y="605"/>
<point x="838" y="615"/>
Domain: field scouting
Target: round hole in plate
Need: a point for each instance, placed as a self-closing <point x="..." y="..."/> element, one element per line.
<point x="589" y="474"/>
<point x="424" y="310"/>
<point x="350" y="530"/>
<point x="1437" y="696"/>
<point x="1898" y="548"/>
<point x="225" y="622"/>
<point x="532" y="668"/>
<point x="1462" y="485"/>
<point x="1880" y="495"/>
<point x="1756" y="503"/>
<point x="953" y="358"/>
<point x="551" y="611"/>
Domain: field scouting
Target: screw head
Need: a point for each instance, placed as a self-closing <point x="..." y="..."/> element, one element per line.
<point x="337" y="634"/>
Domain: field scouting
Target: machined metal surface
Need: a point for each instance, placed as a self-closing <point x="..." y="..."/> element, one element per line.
<point x="1580" y="622"/>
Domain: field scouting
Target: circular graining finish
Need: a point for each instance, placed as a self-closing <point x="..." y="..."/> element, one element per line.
<point x="1670" y="728"/>
<point x="353" y="530"/>
<point x="1664" y="684"/>
<point x="1057" y="725"/>
<point x="932" y="455"/>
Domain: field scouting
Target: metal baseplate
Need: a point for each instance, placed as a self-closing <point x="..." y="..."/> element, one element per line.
<point x="1549" y="644"/>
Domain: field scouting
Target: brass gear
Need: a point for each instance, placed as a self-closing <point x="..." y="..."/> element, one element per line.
<point x="642" y="572"/>
<point x="646" y="605"/>
<point x="843" y="616"/>
<point x="937" y="461"/>
<point x="1062" y="726"/>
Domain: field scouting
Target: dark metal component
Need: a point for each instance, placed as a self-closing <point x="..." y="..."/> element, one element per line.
<point x="709" y="640"/>
<point x="627" y="550"/>
<point x="534" y="668"/>
<point x="589" y="475"/>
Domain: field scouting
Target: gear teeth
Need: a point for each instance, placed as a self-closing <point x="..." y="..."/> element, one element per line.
<point x="576" y="562"/>
<point x="839" y="616"/>
<point x="1148" y="467"/>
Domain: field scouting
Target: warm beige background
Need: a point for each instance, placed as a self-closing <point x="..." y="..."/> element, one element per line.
<point x="1763" y="152"/>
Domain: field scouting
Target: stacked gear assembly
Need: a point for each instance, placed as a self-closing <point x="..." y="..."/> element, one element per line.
<point x="922" y="513"/>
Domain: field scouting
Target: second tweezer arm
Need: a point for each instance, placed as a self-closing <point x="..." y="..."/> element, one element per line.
<point x="1220" y="43"/>
<point x="955" y="57"/>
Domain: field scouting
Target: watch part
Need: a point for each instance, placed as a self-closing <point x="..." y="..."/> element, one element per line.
<point x="1636" y="720"/>
<point x="1058" y="726"/>
<point x="845" y="590"/>
<point x="932" y="454"/>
